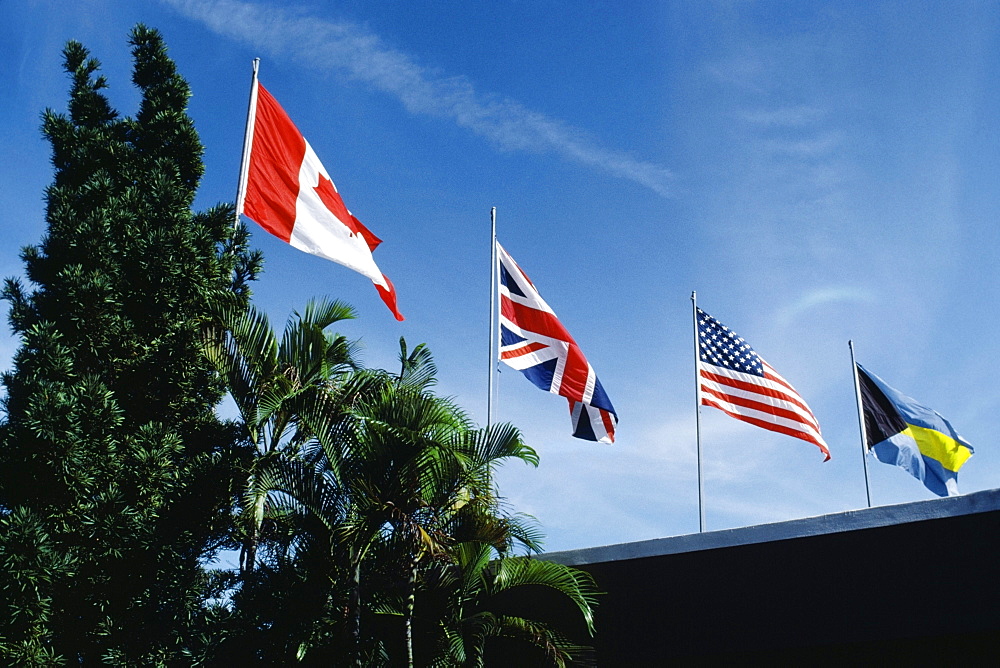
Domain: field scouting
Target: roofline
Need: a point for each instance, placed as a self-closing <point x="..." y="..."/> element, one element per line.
<point x="851" y="520"/>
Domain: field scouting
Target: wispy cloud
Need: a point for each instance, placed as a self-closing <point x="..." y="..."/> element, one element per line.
<point x="817" y="146"/>
<point x="352" y="50"/>
<point x="784" y="116"/>
<point x="823" y="297"/>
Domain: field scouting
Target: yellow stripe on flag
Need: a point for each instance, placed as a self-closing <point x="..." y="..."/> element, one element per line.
<point x="938" y="446"/>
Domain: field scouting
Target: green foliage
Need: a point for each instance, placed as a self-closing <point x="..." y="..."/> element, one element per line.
<point x="109" y="447"/>
<point x="367" y="492"/>
<point x="474" y="583"/>
<point x="35" y="569"/>
<point x="277" y="386"/>
<point x="364" y="505"/>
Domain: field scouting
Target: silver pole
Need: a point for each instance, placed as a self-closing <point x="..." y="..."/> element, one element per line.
<point x="697" y="411"/>
<point x="861" y="421"/>
<point x="494" y="343"/>
<point x="241" y="188"/>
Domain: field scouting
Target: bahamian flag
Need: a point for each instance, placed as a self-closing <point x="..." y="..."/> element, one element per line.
<point x="911" y="436"/>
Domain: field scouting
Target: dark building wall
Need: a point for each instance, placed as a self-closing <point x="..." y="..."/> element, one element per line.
<point x="919" y="582"/>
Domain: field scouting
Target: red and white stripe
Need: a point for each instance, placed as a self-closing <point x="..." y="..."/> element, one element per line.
<point x="769" y="402"/>
<point x="545" y="339"/>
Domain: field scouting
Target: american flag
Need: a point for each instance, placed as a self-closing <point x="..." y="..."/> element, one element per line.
<point x="737" y="381"/>
<point x="533" y="341"/>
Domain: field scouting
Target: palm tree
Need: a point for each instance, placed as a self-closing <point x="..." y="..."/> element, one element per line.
<point x="362" y="472"/>
<point x="434" y="472"/>
<point x="473" y="583"/>
<point x="396" y="472"/>
<point x="276" y="386"/>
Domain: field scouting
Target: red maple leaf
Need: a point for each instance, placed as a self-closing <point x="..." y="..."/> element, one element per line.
<point x="335" y="205"/>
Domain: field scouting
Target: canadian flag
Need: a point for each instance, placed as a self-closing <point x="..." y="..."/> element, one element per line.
<point x="289" y="193"/>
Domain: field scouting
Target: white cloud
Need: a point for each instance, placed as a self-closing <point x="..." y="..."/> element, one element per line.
<point x="823" y="297"/>
<point x="784" y="116"/>
<point x="350" y="49"/>
<point x="810" y="147"/>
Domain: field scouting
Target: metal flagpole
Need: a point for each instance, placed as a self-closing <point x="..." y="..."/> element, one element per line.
<point x="697" y="411"/>
<point x="241" y="188"/>
<point x="494" y="346"/>
<point x="861" y="421"/>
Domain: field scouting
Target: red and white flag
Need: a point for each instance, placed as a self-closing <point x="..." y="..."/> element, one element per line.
<point x="533" y="341"/>
<point x="289" y="193"/>
<point x="735" y="379"/>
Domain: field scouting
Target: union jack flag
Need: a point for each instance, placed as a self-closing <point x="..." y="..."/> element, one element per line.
<point x="533" y="341"/>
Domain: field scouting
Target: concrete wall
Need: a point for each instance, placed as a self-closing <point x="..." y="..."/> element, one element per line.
<point x="917" y="582"/>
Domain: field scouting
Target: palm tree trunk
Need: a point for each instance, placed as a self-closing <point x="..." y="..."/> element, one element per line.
<point x="246" y="557"/>
<point x="249" y="552"/>
<point x="355" y="612"/>
<point x="249" y="555"/>
<point x="410" y="603"/>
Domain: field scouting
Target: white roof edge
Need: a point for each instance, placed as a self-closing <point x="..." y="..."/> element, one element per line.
<point x="851" y="520"/>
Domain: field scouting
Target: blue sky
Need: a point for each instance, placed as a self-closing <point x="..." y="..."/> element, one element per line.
<point x="817" y="171"/>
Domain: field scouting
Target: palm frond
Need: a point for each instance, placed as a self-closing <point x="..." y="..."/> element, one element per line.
<point x="302" y="355"/>
<point x="254" y="339"/>
<point x="526" y="530"/>
<point x="472" y="558"/>
<point x="342" y="354"/>
<point x="481" y="520"/>
<point x="417" y="369"/>
<point x="312" y="490"/>
<point x="322" y="312"/>
<point x="557" y="648"/>
<point x="498" y="442"/>
<point x="242" y="347"/>
<point x="577" y="585"/>
<point x="451" y="650"/>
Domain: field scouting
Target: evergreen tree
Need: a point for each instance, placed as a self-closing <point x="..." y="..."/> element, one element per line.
<point x="116" y="476"/>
